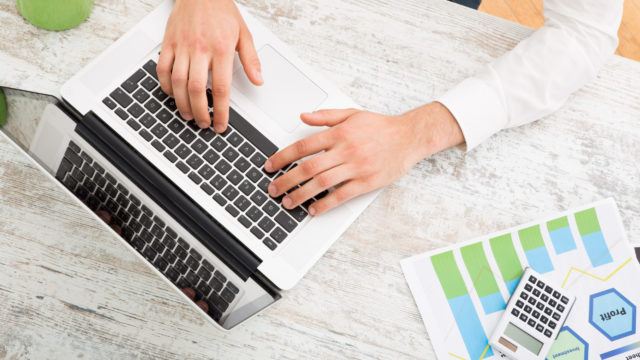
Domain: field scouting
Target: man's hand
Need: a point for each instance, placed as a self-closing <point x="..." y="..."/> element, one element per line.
<point x="201" y="37"/>
<point x="360" y="152"/>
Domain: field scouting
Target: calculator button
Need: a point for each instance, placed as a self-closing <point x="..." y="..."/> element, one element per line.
<point x="528" y="309"/>
<point x="548" y="289"/>
<point x="528" y="287"/>
<point x="556" y="295"/>
<point x="532" y="279"/>
<point x="565" y="300"/>
<point x="556" y="316"/>
<point x="544" y="297"/>
<point x="548" y="311"/>
<point x="544" y="319"/>
<point x="536" y="314"/>
<point x="515" y="312"/>
<point x="524" y="295"/>
<point x="560" y="307"/>
<point x="531" y="322"/>
<point x="536" y="292"/>
<point x="540" y="284"/>
<point x="540" y="306"/>
<point x="519" y="304"/>
<point x="539" y="328"/>
<point x="552" y="302"/>
<point x="523" y="317"/>
<point x="532" y="301"/>
<point x="552" y="324"/>
<point x="547" y="333"/>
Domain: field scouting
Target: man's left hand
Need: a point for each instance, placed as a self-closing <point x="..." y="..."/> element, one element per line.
<point x="359" y="152"/>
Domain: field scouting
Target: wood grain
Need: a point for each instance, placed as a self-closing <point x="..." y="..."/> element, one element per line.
<point x="530" y="13"/>
<point x="70" y="290"/>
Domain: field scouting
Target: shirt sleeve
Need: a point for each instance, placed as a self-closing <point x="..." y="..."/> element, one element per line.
<point x="538" y="75"/>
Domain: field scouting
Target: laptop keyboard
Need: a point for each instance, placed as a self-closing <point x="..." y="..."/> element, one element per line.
<point x="227" y="167"/>
<point x="145" y="231"/>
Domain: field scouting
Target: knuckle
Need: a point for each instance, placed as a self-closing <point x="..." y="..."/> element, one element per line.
<point x="309" y="168"/>
<point x="178" y="79"/>
<point x="220" y="90"/>
<point x="324" y="181"/>
<point x="220" y="48"/>
<point x="301" y="146"/>
<point x="196" y="86"/>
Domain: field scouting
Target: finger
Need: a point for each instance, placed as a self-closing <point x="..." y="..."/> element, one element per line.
<point x="296" y="151"/>
<point x="318" y="184"/>
<point x="249" y="57"/>
<point x="164" y="68"/>
<point x="328" y="117"/>
<point x="203" y="305"/>
<point x="305" y="171"/>
<point x="221" y="88"/>
<point x="191" y="294"/>
<point x="179" y="80"/>
<point x="117" y="229"/>
<point x="104" y="215"/>
<point x="198" y="75"/>
<point x="337" y="197"/>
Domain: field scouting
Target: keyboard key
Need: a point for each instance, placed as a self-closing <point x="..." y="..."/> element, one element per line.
<point x="230" y="192"/>
<point x="187" y="136"/>
<point x="279" y="235"/>
<point x="183" y="151"/>
<point x="206" y="172"/>
<point x="254" y="175"/>
<point x="218" y="182"/>
<point x="242" y="203"/>
<point x="266" y="224"/>
<point x="149" y="84"/>
<point x="134" y="125"/>
<point x="159" y="94"/>
<point x="230" y="154"/>
<point x="170" y="156"/>
<point x="223" y="167"/>
<point x="152" y="106"/>
<point x="234" y="177"/>
<point x="170" y="103"/>
<point x="211" y="156"/>
<point x="298" y="213"/>
<point x="234" y="289"/>
<point x="560" y="307"/>
<point x="218" y="143"/>
<point x="195" y="162"/>
<point x="159" y="131"/>
<point x="219" y="199"/>
<point x="246" y="187"/>
<point x="199" y="146"/>
<point x="182" y="167"/>
<point x="254" y="214"/>
<point x="109" y="103"/>
<point x="122" y="114"/>
<point x="564" y="300"/>
<point x="552" y="324"/>
<point x="555" y="316"/>
<point x="171" y="141"/>
<point x="232" y="210"/>
<point x="195" y="178"/>
<point x="227" y="295"/>
<point x="539" y="328"/>
<point x="244" y="221"/>
<point x="146" y="135"/>
<point x="547" y="333"/>
<point x="556" y="295"/>
<point x="141" y="96"/>
<point x="257" y="232"/>
<point x="258" y="159"/>
<point x="544" y="319"/>
<point x="207" y="189"/>
<point x="234" y="139"/>
<point x="289" y="224"/>
<point x="158" y="145"/>
<point x="246" y="149"/>
<point x="242" y="164"/>
<point x="205" y="275"/>
<point x="121" y="98"/>
<point x="515" y="312"/>
<point x="258" y="198"/>
<point x="150" y="67"/>
<point x="165" y="116"/>
<point x="147" y="120"/>
<point x="255" y="137"/>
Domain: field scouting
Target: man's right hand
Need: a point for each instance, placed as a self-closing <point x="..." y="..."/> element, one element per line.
<point x="202" y="36"/>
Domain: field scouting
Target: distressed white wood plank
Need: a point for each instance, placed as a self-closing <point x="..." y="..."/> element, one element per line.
<point x="70" y="289"/>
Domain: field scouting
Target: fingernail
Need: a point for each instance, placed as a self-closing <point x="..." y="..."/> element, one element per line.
<point x="268" y="166"/>
<point x="272" y="190"/>
<point x="203" y="125"/>
<point x="286" y="202"/>
<point x="187" y="116"/>
<point x="259" y="76"/>
<point x="312" y="211"/>
<point x="219" y="129"/>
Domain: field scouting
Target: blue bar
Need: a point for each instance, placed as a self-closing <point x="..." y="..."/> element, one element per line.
<point x="597" y="248"/>
<point x="493" y="303"/>
<point x="511" y="285"/>
<point x="539" y="260"/>
<point x="562" y="240"/>
<point x="619" y="351"/>
<point x="471" y="330"/>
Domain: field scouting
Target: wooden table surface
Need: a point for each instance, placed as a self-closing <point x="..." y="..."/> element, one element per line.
<point x="69" y="289"/>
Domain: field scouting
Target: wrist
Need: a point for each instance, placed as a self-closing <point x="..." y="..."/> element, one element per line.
<point x="434" y="128"/>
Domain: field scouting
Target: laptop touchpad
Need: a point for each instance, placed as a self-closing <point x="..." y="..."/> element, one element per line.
<point x="286" y="91"/>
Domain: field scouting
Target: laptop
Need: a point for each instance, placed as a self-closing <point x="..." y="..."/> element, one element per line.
<point x="191" y="203"/>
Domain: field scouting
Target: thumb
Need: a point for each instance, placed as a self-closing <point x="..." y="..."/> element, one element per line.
<point x="328" y="117"/>
<point x="249" y="57"/>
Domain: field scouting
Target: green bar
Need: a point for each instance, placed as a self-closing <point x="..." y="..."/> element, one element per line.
<point x="558" y="223"/>
<point x="587" y="221"/>
<point x="505" y="255"/>
<point x="449" y="275"/>
<point x="531" y="238"/>
<point x="479" y="270"/>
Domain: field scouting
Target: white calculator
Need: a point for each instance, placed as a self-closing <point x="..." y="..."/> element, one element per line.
<point x="533" y="318"/>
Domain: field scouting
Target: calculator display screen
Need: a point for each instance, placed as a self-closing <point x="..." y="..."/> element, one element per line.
<point x="523" y="339"/>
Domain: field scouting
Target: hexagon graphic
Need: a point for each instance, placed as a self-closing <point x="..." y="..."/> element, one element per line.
<point x="569" y="346"/>
<point x="612" y="314"/>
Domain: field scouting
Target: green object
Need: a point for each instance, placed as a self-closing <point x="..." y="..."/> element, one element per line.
<point x="476" y="262"/>
<point x="587" y="221"/>
<point x="450" y="278"/>
<point x="55" y="14"/>
<point x="3" y="108"/>
<point x="531" y="238"/>
<point x="558" y="223"/>
<point x="507" y="258"/>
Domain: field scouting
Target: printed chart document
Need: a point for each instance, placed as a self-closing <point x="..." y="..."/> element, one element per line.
<point x="461" y="291"/>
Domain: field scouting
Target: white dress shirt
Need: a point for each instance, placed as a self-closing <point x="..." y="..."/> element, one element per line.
<point x="538" y="75"/>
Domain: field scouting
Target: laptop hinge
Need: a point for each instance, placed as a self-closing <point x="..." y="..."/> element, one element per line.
<point x="168" y="196"/>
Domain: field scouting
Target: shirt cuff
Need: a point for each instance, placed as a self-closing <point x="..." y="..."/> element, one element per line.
<point x="478" y="109"/>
